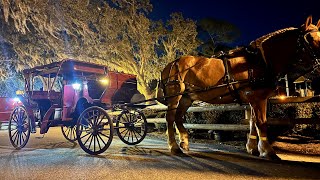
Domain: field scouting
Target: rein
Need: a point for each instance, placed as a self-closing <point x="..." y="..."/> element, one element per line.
<point x="190" y="92"/>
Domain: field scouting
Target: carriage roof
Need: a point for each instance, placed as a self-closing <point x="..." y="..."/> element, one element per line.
<point x="67" y="67"/>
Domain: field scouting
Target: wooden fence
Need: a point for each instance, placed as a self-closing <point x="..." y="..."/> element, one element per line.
<point x="216" y="127"/>
<point x="248" y="115"/>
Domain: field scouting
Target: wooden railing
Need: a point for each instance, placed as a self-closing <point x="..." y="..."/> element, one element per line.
<point x="244" y="126"/>
<point x="216" y="127"/>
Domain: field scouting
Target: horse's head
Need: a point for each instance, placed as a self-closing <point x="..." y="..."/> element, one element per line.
<point x="310" y="42"/>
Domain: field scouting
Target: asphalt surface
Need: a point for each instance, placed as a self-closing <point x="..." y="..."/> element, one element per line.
<point x="53" y="157"/>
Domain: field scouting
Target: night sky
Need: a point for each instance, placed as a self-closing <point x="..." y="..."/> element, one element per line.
<point x="253" y="18"/>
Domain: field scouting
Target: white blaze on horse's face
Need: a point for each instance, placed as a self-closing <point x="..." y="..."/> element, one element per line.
<point x="316" y="40"/>
<point x="317" y="36"/>
<point x="313" y="39"/>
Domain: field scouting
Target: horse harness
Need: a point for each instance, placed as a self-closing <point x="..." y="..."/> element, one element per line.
<point x="228" y="80"/>
<point x="304" y="46"/>
<point x="255" y="58"/>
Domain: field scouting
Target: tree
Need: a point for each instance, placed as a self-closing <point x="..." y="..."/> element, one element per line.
<point x="116" y="33"/>
<point x="178" y="38"/>
<point x="215" y="33"/>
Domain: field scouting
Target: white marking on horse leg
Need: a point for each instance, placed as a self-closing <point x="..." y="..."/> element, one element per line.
<point x="184" y="104"/>
<point x="265" y="149"/>
<point x="252" y="144"/>
<point x="183" y="136"/>
<point x="170" y="117"/>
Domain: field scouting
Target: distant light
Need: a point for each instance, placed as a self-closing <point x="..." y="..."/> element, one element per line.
<point x="76" y="86"/>
<point x="104" y="81"/>
<point x="282" y="97"/>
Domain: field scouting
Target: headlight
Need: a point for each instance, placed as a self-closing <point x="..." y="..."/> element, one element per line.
<point x="76" y="86"/>
<point x="16" y="99"/>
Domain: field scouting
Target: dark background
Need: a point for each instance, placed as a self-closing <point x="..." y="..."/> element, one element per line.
<point x="253" y="18"/>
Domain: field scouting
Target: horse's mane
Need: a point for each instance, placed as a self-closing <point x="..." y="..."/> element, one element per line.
<point x="255" y="47"/>
<point x="257" y="43"/>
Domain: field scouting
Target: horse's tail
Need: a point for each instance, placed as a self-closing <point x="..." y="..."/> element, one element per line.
<point x="161" y="93"/>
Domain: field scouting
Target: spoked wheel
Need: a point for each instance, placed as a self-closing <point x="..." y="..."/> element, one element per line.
<point x="131" y="126"/>
<point x="19" y="127"/>
<point x="69" y="132"/>
<point x="94" y="130"/>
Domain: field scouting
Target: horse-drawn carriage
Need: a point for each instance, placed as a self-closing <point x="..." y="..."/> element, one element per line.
<point x="76" y="96"/>
<point x="243" y="75"/>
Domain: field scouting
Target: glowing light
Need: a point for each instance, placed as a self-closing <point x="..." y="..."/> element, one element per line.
<point x="19" y="92"/>
<point x="104" y="81"/>
<point x="16" y="99"/>
<point x="282" y="97"/>
<point x="76" y="86"/>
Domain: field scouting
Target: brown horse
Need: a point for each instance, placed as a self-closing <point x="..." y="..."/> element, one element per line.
<point x="244" y="75"/>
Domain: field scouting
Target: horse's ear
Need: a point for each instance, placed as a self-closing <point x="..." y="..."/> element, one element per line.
<point x="318" y="24"/>
<point x="308" y="22"/>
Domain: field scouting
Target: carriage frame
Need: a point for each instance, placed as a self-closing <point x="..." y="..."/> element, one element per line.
<point x="87" y="100"/>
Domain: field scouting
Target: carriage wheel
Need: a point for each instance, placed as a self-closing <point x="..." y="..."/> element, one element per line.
<point x="19" y="127"/>
<point x="131" y="127"/>
<point x="94" y="130"/>
<point x="69" y="132"/>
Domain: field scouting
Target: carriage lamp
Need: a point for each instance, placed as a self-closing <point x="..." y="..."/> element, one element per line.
<point x="104" y="81"/>
<point x="76" y="86"/>
<point x="16" y="100"/>
<point x="19" y="92"/>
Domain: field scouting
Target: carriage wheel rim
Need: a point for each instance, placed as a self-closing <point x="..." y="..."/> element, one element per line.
<point x="94" y="130"/>
<point x="128" y="129"/>
<point x="69" y="132"/>
<point x="19" y="135"/>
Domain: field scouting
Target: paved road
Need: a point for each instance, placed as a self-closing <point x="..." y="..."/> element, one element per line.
<point x="52" y="157"/>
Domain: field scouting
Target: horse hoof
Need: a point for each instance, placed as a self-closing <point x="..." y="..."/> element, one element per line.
<point x="184" y="146"/>
<point x="272" y="157"/>
<point x="254" y="152"/>
<point x="176" y="152"/>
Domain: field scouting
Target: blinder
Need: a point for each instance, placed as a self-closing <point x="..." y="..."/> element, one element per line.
<point x="305" y="46"/>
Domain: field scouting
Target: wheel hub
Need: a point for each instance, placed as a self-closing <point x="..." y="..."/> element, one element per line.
<point x="21" y="128"/>
<point x="129" y="126"/>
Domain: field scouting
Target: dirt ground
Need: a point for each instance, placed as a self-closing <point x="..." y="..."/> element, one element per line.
<point x="292" y="143"/>
<point x="297" y="144"/>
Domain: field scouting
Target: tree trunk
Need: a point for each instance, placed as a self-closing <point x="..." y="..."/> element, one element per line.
<point x="144" y="89"/>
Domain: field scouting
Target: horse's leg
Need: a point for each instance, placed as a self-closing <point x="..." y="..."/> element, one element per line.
<point x="185" y="103"/>
<point x="265" y="149"/>
<point x="170" y="118"/>
<point x="252" y="143"/>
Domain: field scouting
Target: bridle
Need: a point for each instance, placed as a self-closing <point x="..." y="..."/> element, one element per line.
<point x="304" y="46"/>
